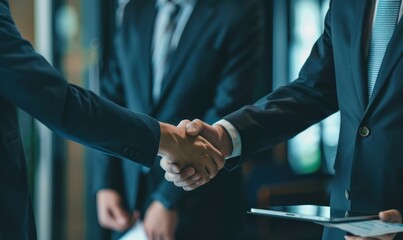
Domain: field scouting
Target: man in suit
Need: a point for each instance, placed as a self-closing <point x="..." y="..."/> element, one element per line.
<point x="214" y="60"/>
<point x="27" y="81"/>
<point x="356" y="69"/>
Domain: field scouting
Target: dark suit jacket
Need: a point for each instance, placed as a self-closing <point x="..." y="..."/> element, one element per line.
<point x="369" y="169"/>
<point x="29" y="82"/>
<point x="211" y="74"/>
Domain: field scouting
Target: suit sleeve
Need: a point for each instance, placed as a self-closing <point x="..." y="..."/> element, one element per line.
<point x="240" y="69"/>
<point x="107" y="169"/>
<point x="292" y="108"/>
<point x="29" y="82"/>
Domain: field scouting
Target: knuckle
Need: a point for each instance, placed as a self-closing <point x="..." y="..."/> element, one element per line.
<point x="163" y="164"/>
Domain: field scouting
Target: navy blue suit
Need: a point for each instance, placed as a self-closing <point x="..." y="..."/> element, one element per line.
<point x="211" y="73"/>
<point x="27" y="81"/>
<point x="369" y="168"/>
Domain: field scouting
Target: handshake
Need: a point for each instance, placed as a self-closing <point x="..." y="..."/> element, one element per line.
<point x="193" y="152"/>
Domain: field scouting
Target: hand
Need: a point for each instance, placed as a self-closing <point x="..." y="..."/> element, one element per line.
<point x="216" y="135"/>
<point x="187" y="178"/>
<point x="177" y="148"/>
<point x="110" y="213"/>
<point x="159" y="222"/>
<point x="386" y="216"/>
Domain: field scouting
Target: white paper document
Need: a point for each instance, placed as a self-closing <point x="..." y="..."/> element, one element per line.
<point x="137" y="232"/>
<point x="368" y="228"/>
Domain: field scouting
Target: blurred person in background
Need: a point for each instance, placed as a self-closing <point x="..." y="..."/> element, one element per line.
<point x="173" y="60"/>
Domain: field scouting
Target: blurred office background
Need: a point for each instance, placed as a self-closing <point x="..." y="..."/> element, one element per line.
<point x="75" y="36"/>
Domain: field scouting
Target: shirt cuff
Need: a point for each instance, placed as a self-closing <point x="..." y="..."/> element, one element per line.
<point x="235" y="137"/>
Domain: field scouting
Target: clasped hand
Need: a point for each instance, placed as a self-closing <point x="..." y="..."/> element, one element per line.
<point x="188" y="158"/>
<point x="199" y="159"/>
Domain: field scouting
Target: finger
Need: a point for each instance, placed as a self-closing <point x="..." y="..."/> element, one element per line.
<point x="186" y="183"/>
<point x="390" y="216"/>
<point x="194" y="185"/>
<point x="202" y="171"/>
<point x="169" y="166"/>
<point x="149" y="232"/>
<point x="352" y="238"/>
<point x="184" y="123"/>
<point x="186" y="174"/>
<point x="195" y="127"/>
<point x="105" y="219"/>
<point x="359" y="238"/>
<point x="111" y="223"/>
<point x="211" y="168"/>
<point x="121" y="218"/>
<point x="217" y="158"/>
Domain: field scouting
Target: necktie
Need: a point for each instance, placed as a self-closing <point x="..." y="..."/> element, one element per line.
<point x="165" y="27"/>
<point x="384" y="25"/>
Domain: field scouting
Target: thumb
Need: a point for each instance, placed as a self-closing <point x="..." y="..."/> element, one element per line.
<point x="120" y="216"/>
<point x="195" y="127"/>
<point x="390" y="216"/>
<point x="169" y="166"/>
<point x="183" y="123"/>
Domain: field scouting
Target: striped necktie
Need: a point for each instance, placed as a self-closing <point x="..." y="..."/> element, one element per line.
<point x="166" y="25"/>
<point x="384" y="25"/>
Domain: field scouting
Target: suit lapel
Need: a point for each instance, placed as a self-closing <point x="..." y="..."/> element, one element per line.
<point x="201" y="15"/>
<point x="358" y="50"/>
<point x="392" y="56"/>
<point x="146" y="23"/>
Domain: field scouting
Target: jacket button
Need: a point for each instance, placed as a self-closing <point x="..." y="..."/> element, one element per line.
<point x="347" y="194"/>
<point x="364" y="131"/>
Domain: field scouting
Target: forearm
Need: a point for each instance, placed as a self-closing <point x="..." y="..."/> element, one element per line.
<point x="31" y="83"/>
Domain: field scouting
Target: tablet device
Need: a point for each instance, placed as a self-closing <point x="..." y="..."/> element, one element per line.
<point x="314" y="213"/>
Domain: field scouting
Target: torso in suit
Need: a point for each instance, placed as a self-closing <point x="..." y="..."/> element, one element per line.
<point x="27" y="81"/>
<point x="368" y="164"/>
<point x="211" y="73"/>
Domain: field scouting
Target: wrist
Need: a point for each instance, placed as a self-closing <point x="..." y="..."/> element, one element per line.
<point x="225" y="139"/>
<point x="166" y="139"/>
<point x="233" y="140"/>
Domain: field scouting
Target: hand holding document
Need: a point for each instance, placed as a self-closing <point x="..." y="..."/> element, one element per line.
<point x="137" y="232"/>
<point x="384" y="229"/>
<point x="362" y="225"/>
<point x="369" y="228"/>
